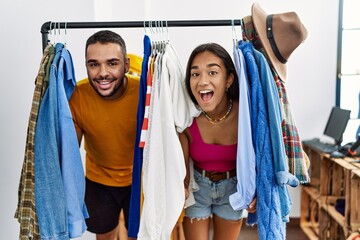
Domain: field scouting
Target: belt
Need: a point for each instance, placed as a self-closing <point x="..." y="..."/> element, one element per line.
<point x="216" y="176"/>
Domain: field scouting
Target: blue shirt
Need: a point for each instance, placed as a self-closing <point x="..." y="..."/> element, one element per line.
<point x="245" y="159"/>
<point x="50" y="201"/>
<point x="70" y="158"/>
<point x="59" y="176"/>
<point x="282" y="174"/>
<point x="134" y="211"/>
<point x="268" y="213"/>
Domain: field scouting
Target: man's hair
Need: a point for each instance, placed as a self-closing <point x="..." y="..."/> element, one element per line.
<point x="106" y="36"/>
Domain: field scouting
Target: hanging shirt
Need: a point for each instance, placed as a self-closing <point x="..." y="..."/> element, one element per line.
<point x="72" y="171"/>
<point x="49" y="189"/>
<point x="144" y="135"/>
<point x="134" y="211"/>
<point x="268" y="210"/>
<point x="298" y="161"/>
<point x="245" y="160"/>
<point x="25" y="211"/>
<point x="164" y="169"/>
<point x="283" y="176"/>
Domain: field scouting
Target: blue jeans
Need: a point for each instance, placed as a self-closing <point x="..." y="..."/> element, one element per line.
<point x="213" y="198"/>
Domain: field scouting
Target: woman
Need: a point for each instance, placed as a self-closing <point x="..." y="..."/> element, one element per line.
<point x="211" y="142"/>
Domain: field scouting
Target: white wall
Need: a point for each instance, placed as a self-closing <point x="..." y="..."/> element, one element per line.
<point x="311" y="69"/>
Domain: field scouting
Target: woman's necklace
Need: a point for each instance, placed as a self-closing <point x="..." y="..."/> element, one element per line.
<point x="216" y="121"/>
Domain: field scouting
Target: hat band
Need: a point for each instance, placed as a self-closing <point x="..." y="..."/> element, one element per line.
<point x="270" y="36"/>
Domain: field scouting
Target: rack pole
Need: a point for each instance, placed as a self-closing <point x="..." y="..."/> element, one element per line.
<point x="47" y="26"/>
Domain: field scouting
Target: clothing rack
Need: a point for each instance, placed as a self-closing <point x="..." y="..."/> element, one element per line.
<point x="48" y="26"/>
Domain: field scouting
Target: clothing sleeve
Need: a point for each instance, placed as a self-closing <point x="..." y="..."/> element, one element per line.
<point x="245" y="157"/>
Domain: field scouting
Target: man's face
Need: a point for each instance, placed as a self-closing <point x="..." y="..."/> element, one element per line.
<point x="106" y="69"/>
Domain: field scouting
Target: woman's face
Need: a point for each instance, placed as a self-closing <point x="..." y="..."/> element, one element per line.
<point x="209" y="81"/>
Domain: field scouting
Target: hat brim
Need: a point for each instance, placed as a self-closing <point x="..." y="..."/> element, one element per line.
<point x="259" y="20"/>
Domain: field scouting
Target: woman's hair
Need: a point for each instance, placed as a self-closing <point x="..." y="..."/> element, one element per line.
<point x="219" y="51"/>
<point x="106" y="36"/>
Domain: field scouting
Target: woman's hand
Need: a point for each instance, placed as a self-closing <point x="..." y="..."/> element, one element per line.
<point x="186" y="193"/>
<point x="252" y="206"/>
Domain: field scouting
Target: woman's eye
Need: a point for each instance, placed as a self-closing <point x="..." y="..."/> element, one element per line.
<point x="212" y="73"/>
<point x="194" y="74"/>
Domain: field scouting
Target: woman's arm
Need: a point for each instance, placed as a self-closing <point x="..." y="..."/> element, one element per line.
<point x="184" y="140"/>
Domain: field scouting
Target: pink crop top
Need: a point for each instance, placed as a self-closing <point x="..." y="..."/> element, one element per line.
<point x="211" y="157"/>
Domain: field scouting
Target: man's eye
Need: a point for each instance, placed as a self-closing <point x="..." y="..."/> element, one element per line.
<point x="113" y="63"/>
<point x="93" y="64"/>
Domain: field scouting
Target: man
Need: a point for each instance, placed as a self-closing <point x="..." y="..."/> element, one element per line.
<point x="104" y="108"/>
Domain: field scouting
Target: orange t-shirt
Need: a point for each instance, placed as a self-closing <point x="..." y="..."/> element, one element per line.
<point x="109" y="130"/>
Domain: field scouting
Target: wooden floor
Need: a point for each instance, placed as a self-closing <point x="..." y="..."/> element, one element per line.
<point x="293" y="231"/>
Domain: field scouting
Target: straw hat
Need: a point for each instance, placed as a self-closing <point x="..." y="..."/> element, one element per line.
<point x="280" y="35"/>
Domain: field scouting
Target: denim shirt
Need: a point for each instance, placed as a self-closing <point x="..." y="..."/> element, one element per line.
<point x="49" y="189"/>
<point x="245" y="158"/>
<point x="59" y="176"/>
<point x="268" y="213"/>
<point x="282" y="175"/>
<point x="70" y="157"/>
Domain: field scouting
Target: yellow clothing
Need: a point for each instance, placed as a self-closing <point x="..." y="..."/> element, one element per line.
<point x="109" y="130"/>
<point x="135" y="64"/>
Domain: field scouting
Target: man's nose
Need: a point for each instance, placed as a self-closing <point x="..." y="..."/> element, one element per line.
<point x="104" y="71"/>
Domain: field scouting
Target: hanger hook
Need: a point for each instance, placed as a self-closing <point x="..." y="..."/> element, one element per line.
<point x="50" y="33"/>
<point x="167" y="31"/>
<point x="233" y="30"/>
<point x="50" y="28"/>
<point x="151" y="27"/>
<point x="65" y="28"/>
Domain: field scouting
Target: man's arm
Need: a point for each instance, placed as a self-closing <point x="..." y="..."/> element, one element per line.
<point x="79" y="135"/>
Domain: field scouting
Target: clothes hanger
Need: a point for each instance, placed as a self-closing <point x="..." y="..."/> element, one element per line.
<point x="65" y="34"/>
<point x="233" y="31"/>
<point x="50" y="34"/>
<point x="163" y="37"/>
<point x="153" y="42"/>
<point x="159" y="45"/>
<point x="167" y="32"/>
<point x="145" y="27"/>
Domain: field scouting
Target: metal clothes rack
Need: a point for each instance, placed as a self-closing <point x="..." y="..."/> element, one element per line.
<point x="48" y="26"/>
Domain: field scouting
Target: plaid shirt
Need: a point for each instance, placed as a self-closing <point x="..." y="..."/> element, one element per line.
<point x="26" y="212"/>
<point x="298" y="161"/>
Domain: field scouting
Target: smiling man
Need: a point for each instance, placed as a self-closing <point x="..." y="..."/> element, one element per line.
<point x="104" y="109"/>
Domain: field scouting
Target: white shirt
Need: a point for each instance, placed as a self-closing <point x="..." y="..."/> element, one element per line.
<point x="164" y="165"/>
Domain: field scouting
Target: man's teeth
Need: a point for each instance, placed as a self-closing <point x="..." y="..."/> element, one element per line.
<point x="104" y="82"/>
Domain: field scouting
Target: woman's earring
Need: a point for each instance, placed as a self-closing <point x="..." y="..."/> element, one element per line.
<point x="227" y="89"/>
